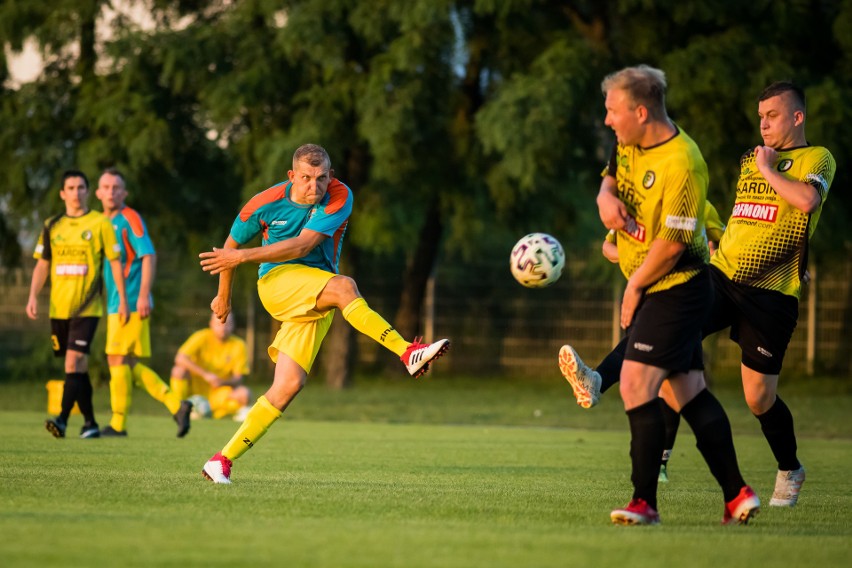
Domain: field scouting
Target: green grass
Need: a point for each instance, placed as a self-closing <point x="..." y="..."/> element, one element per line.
<point x="445" y="472"/>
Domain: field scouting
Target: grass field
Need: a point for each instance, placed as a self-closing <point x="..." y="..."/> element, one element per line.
<point x="446" y="472"/>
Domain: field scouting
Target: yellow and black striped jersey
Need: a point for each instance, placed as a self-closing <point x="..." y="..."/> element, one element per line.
<point x="76" y="248"/>
<point x="665" y="190"/>
<point x="766" y="242"/>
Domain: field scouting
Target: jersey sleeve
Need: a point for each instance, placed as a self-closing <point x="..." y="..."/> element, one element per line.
<point x="679" y="214"/>
<point x="138" y="238"/>
<point x="193" y="345"/>
<point x="819" y="172"/>
<point x="249" y="223"/>
<point x="327" y="218"/>
<point x="42" y="249"/>
<point x="713" y="223"/>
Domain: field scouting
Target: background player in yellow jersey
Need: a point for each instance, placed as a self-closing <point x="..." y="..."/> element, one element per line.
<point x="759" y="269"/>
<point x="760" y="266"/>
<point x="653" y="193"/>
<point x="303" y="221"/>
<point x="71" y="250"/>
<point x="125" y="344"/>
<point x="212" y="363"/>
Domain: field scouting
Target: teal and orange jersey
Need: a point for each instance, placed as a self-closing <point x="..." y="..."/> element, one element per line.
<point x="135" y="243"/>
<point x="272" y="214"/>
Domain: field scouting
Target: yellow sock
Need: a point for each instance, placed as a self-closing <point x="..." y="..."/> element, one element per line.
<point x="156" y="387"/>
<point x="120" y="390"/>
<point x="230" y="406"/>
<point x="366" y="320"/>
<point x="180" y="387"/>
<point x="259" y="419"/>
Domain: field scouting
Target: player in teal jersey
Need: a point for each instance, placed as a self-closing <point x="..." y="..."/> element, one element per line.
<point x="302" y="222"/>
<point x="127" y="343"/>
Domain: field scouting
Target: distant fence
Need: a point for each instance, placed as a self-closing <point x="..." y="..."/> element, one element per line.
<point x="497" y="327"/>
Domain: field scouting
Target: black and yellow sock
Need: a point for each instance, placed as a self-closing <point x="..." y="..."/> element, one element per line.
<point x="714" y="440"/>
<point x="120" y="395"/>
<point x="83" y="385"/>
<point x="69" y="397"/>
<point x="366" y="320"/>
<point x="672" y="419"/>
<point x="777" y="426"/>
<point x="261" y="416"/>
<point x="156" y="387"/>
<point x="647" y="437"/>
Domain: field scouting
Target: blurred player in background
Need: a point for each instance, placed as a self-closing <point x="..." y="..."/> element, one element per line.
<point x="71" y="250"/>
<point x="653" y="193"/>
<point x="302" y="221"/>
<point x="212" y="363"/>
<point x="126" y="343"/>
<point x="759" y="269"/>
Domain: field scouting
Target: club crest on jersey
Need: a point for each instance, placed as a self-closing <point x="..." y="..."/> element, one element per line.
<point x="649" y="179"/>
<point x="87" y="235"/>
<point x="785" y="165"/>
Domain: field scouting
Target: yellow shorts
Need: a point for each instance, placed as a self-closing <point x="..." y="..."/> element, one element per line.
<point x="289" y="293"/>
<point x="132" y="338"/>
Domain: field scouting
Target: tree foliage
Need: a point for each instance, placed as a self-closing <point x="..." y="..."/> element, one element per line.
<point x="460" y="124"/>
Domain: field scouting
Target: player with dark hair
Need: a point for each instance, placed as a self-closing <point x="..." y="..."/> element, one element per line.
<point x="71" y="250"/>
<point x="302" y="221"/>
<point x="127" y="342"/>
<point x="759" y="269"/>
<point x="653" y="193"/>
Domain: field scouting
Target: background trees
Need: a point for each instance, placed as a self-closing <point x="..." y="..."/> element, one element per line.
<point x="458" y="123"/>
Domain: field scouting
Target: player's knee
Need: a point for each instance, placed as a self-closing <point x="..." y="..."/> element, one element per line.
<point x="343" y="289"/>
<point x="179" y="373"/>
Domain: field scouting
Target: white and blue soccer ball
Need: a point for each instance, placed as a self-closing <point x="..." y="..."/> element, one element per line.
<point x="200" y="407"/>
<point x="537" y="260"/>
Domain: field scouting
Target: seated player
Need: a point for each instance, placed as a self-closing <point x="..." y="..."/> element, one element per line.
<point x="212" y="363"/>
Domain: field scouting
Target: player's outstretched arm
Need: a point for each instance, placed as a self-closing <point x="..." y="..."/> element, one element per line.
<point x="228" y="258"/>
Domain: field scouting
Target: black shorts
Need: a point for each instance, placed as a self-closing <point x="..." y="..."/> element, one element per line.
<point x="666" y="330"/>
<point x="73" y="334"/>
<point x="761" y="321"/>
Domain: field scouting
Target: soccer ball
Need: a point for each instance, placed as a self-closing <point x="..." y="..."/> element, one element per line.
<point x="200" y="407"/>
<point x="537" y="260"/>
